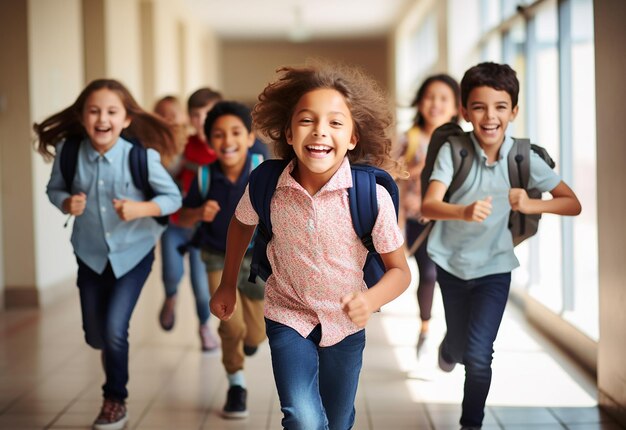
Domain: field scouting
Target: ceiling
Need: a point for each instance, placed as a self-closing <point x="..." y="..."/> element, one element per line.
<point x="299" y="20"/>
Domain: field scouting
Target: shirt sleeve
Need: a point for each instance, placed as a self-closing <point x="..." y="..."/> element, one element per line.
<point x="542" y="177"/>
<point x="56" y="188"/>
<point x="167" y="193"/>
<point x="245" y="212"/>
<point x="443" y="170"/>
<point x="386" y="235"/>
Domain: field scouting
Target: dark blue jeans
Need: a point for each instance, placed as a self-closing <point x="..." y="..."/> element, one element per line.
<point x="107" y="304"/>
<point x="173" y="269"/>
<point x="473" y="311"/>
<point x="316" y="385"/>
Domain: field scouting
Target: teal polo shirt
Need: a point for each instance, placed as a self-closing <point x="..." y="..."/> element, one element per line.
<point x="470" y="250"/>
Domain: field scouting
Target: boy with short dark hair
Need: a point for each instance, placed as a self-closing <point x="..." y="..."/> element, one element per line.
<point x="228" y="128"/>
<point x="473" y="246"/>
<point x="196" y="152"/>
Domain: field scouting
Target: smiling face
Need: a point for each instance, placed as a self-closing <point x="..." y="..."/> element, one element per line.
<point x="321" y="133"/>
<point x="438" y="105"/>
<point x="231" y="140"/>
<point x="104" y="117"/>
<point x="490" y="112"/>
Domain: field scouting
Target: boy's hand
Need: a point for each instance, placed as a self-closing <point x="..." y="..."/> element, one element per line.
<point x="75" y="204"/>
<point x="127" y="210"/>
<point x="210" y="210"/>
<point x="518" y="198"/>
<point x="357" y="308"/>
<point x="223" y="302"/>
<point x="478" y="211"/>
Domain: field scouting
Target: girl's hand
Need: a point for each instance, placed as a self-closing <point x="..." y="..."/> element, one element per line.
<point x="357" y="307"/>
<point x="478" y="211"/>
<point x="127" y="210"/>
<point x="518" y="198"/>
<point x="75" y="204"/>
<point x="210" y="210"/>
<point x="223" y="303"/>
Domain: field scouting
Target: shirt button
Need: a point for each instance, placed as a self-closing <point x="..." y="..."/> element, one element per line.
<point x="311" y="225"/>
<point x="107" y="234"/>
<point x="103" y="209"/>
<point x="101" y="182"/>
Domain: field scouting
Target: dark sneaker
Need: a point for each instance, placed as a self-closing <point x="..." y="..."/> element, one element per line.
<point x="235" y="406"/>
<point x="250" y="350"/>
<point x="166" y="316"/>
<point x="444" y="365"/>
<point x="113" y="416"/>
<point x="208" y="341"/>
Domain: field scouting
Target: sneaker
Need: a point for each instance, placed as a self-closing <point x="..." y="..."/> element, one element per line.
<point x="470" y="428"/>
<point x="166" y="316"/>
<point x="208" y="341"/>
<point x="235" y="406"/>
<point x="112" y="416"/>
<point x="443" y="363"/>
<point x="250" y="350"/>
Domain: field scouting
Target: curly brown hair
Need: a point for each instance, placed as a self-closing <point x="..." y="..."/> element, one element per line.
<point x="371" y="112"/>
<point x="150" y="130"/>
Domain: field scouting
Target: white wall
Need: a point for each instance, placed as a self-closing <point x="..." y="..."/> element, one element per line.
<point x="56" y="78"/>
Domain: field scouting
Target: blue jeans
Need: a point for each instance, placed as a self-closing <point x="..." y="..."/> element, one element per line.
<point x="107" y="304"/>
<point x="173" y="270"/>
<point x="473" y="311"/>
<point x="316" y="385"/>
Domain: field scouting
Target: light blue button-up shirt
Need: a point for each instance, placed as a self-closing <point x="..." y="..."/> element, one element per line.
<point x="99" y="235"/>
<point x="470" y="250"/>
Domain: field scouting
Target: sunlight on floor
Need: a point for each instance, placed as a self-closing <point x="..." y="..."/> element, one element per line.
<point x="525" y="373"/>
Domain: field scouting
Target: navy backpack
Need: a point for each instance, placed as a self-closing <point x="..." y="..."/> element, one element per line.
<point x="363" y="209"/>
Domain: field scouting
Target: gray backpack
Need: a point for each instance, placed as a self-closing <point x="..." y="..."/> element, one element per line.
<point x="522" y="226"/>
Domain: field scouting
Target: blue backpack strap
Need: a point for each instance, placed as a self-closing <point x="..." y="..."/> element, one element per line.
<point x="261" y="186"/>
<point x="69" y="159"/>
<point x="204" y="180"/>
<point x="364" y="211"/>
<point x="138" y="161"/>
<point x="255" y="160"/>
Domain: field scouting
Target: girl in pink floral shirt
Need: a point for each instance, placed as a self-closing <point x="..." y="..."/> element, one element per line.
<point x="322" y="118"/>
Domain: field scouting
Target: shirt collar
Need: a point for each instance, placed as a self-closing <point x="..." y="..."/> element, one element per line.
<point x="243" y="176"/>
<point x="342" y="178"/>
<point x="504" y="149"/>
<point x="110" y="155"/>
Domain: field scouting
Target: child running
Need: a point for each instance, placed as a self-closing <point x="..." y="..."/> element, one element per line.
<point x="322" y="119"/>
<point x="228" y="127"/>
<point x="114" y="231"/>
<point x="437" y="102"/>
<point x="473" y="246"/>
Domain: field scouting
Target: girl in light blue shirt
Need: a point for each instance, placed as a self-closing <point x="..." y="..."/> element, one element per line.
<point x="114" y="231"/>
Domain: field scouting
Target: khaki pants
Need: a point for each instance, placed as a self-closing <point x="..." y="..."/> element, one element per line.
<point x="246" y="326"/>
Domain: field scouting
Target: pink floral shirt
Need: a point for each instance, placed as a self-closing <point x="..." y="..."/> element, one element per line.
<point x="316" y="256"/>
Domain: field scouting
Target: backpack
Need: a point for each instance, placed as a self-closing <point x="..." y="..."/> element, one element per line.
<point x="203" y="176"/>
<point x="137" y="158"/>
<point x="363" y="209"/>
<point x="522" y="226"/>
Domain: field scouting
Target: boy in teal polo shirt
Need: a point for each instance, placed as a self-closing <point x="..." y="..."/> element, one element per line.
<point x="473" y="246"/>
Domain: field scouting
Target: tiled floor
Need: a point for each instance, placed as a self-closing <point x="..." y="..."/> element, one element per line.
<point x="49" y="379"/>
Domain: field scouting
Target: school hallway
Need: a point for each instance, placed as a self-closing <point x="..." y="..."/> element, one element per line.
<point x="50" y="379"/>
